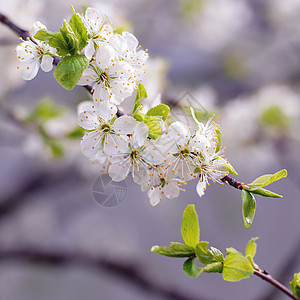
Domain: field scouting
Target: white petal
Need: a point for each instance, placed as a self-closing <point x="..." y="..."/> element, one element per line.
<point x="47" y="63"/>
<point x="119" y="44"/>
<point x="29" y="70"/>
<point x="154" y="195"/>
<point x="140" y="134"/>
<point x="201" y="185"/>
<point x="85" y="105"/>
<point x="171" y="190"/>
<point x="179" y="132"/>
<point x="101" y="94"/>
<point x="125" y="125"/>
<point x="106" y="110"/>
<point x="104" y="55"/>
<point x="91" y="144"/>
<point x="36" y="27"/>
<point x="132" y="42"/>
<point x="88" y="120"/>
<point x="89" y="49"/>
<point x="88" y="77"/>
<point x="93" y="18"/>
<point x="119" y="172"/>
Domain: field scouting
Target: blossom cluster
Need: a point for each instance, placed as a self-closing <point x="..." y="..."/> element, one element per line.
<point x="160" y="156"/>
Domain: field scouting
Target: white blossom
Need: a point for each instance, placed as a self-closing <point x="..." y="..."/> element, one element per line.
<point x="99" y="30"/>
<point x="33" y="54"/>
<point x="99" y="119"/>
<point x="111" y="78"/>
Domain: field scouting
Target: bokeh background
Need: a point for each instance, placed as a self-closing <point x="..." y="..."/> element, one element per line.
<point x="238" y="59"/>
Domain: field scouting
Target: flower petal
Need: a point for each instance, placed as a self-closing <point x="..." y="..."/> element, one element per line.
<point x="201" y="186"/>
<point x="106" y="110"/>
<point x="118" y="42"/>
<point x="132" y="42"/>
<point x="104" y="55"/>
<point x="119" y="171"/>
<point x="90" y="144"/>
<point x="140" y="134"/>
<point x="89" y="49"/>
<point x="30" y="70"/>
<point x="47" y="63"/>
<point x="88" y="120"/>
<point x="125" y="125"/>
<point x="155" y="196"/>
<point x="179" y="132"/>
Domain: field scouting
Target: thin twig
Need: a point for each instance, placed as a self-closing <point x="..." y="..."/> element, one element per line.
<point x="127" y="271"/>
<point x="232" y="182"/>
<point x="267" y="277"/>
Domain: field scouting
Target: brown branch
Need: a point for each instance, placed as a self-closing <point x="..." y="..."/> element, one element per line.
<point x="231" y="181"/>
<point x="267" y="277"/>
<point x="128" y="271"/>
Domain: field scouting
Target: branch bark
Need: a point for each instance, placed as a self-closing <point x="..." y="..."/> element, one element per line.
<point x="267" y="277"/>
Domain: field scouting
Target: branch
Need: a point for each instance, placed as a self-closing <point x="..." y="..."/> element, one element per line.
<point x="127" y="271"/>
<point x="20" y="32"/>
<point x="267" y="277"/>
<point x="231" y="181"/>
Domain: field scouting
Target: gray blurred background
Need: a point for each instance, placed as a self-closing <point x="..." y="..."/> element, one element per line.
<point x="237" y="59"/>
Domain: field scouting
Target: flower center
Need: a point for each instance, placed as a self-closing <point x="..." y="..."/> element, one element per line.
<point x="184" y="152"/>
<point x="105" y="128"/>
<point x="134" y="154"/>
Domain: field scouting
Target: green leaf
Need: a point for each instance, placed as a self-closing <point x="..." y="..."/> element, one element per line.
<point x="45" y="110"/>
<point x="78" y="29"/>
<point x="160" y="110"/>
<point x="216" y="267"/>
<point x="236" y="267"/>
<point x="190" y="268"/>
<point x="140" y="94"/>
<point x="174" y="250"/>
<point x="265" y="193"/>
<point x="206" y="256"/>
<point x="218" y="133"/>
<point x="267" y="179"/>
<point x="190" y="226"/>
<point x="250" y="250"/>
<point x="56" y="148"/>
<point x="70" y="38"/>
<point x="54" y="39"/>
<point x="251" y="247"/>
<point x="249" y="206"/>
<point x="69" y="70"/>
<point x="226" y="166"/>
<point x="78" y="132"/>
<point x="295" y="285"/>
<point x="154" y="129"/>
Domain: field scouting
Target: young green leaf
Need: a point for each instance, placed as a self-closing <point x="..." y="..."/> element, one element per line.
<point x="226" y="166"/>
<point x="236" y="267"/>
<point x="78" y="29"/>
<point x="190" y="226"/>
<point x="216" y="267"/>
<point x="267" y="179"/>
<point x="154" y="129"/>
<point x="54" y="39"/>
<point x="160" y="110"/>
<point x="251" y="247"/>
<point x="69" y="70"/>
<point x="249" y="206"/>
<point x="190" y="268"/>
<point x="250" y="250"/>
<point x="174" y="250"/>
<point x="206" y="256"/>
<point x="265" y="193"/>
<point x="140" y="94"/>
<point x="295" y="285"/>
<point x="218" y="133"/>
<point x="70" y="38"/>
